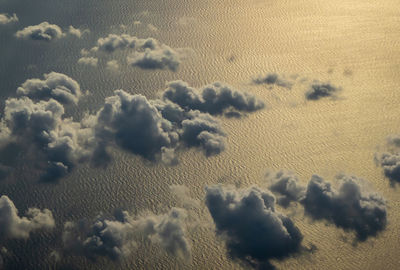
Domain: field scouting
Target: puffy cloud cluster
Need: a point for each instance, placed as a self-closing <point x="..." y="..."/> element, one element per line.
<point x="153" y="129"/>
<point x="36" y="120"/>
<point x="320" y="90"/>
<point x="57" y="86"/>
<point x="116" y="238"/>
<point x="214" y="99"/>
<point x="287" y="187"/>
<point x="6" y="19"/>
<point x="14" y="226"/>
<point x="351" y="206"/>
<point x="273" y="79"/>
<point x="252" y="228"/>
<point x="46" y="31"/>
<point x="147" y="53"/>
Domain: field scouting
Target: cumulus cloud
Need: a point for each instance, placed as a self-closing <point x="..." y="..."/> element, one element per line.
<point x="55" y="85"/>
<point x="273" y="79"/>
<point x="320" y="90"/>
<point x="46" y="31"/>
<point x="88" y="61"/>
<point x="351" y="207"/>
<point x="155" y="130"/>
<point x="286" y="185"/>
<point x="163" y="57"/>
<point x="250" y="225"/>
<point x="214" y="99"/>
<point x="390" y="160"/>
<point x="146" y="53"/>
<point x="116" y="238"/>
<point x="77" y="32"/>
<point x="6" y="19"/>
<point x="14" y="226"/>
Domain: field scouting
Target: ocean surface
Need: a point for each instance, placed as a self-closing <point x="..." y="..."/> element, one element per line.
<point x="352" y="44"/>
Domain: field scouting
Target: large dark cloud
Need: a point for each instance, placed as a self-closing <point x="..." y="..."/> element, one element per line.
<point x="352" y="206"/>
<point x="253" y="230"/>
<point x="46" y="31"/>
<point x="116" y="238"/>
<point x="273" y="79"/>
<point x="214" y="99"/>
<point x="320" y="90"/>
<point x="55" y="85"/>
<point x="6" y="19"/>
<point x="14" y="226"/>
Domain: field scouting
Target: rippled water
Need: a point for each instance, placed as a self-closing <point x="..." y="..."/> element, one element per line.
<point x="352" y="44"/>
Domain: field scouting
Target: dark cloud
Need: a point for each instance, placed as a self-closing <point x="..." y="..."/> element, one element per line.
<point x="6" y="19"/>
<point x="286" y="185"/>
<point x="320" y="90"/>
<point x="351" y="206"/>
<point x="116" y="238"/>
<point x="205" y="131"/>
<point x="46" y="32"/>
<point x="135" y="125"/>
<point x="213" y="99"/>
<point x="253" y="230"/>
<point x="14" y="226"/>
<point x="55" y="85"/>
<point x="273" y="79"/>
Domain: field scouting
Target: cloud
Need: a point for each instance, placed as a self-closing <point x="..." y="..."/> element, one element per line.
<point x="14" y="226"/>
<point x="205" y="131"/>
<point x="273" y="79"/>
<point x="146" y="53"/>
<point x="77" y="32"/>
<point x="57" y="86"/>
<point x="214" y="99"/>
<point x="163" y="57"/>
<point x="251" y="227"/>
<point x="351" y="207"/>
<point x="116" y="238"/>
<point x="6" y="19"/>
<point x="390" y="160"/>
<point x="155" y="130"/>
<point x="46" y="32"/>
<point x="58" y="142"/>
<point x="88" y="61"/>
<point x="286" y="185"/>
<point x="320" y="90"/>
<point x="135" y="125"/>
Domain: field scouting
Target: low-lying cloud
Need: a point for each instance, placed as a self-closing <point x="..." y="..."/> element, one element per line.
<point x="116" y="238"/>
<point x="155" y="130"/>
<point x="46" y="31"/>
<point x="14" y="226"/>
<point x="253" y="230"/>
<point x="273" y="79"/>
<point x="320" y="90"/>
